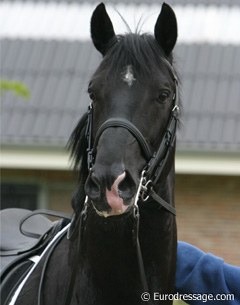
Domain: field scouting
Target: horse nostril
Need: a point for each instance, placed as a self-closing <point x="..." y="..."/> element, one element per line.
<point x="127" y="187"/>
<point x="92" y="187"/>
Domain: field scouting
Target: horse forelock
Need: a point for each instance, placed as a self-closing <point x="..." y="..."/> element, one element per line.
<point x="141" y="52"/>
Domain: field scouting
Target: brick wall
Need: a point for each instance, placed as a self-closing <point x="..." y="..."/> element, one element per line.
<point x="208" y="214"/>
<point x="208" y="207"/>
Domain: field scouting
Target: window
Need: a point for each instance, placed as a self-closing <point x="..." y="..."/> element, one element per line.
<point x="15" y="195"/>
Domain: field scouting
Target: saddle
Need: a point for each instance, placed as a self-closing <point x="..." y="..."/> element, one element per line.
<point x="24" y="235"/>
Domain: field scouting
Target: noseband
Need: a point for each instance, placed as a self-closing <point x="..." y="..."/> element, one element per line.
<point x="151" y="173"/>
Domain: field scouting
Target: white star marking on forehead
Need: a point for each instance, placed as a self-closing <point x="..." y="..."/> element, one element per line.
<point x="128" y="76"/>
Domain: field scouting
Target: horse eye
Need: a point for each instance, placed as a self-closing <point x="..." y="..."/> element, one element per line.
<point x="92" y="96"/>
<point x="164" y="94"/>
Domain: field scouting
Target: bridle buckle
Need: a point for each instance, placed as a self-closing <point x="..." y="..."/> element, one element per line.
<point x="144" y="186"/>
<point x="145" y="189"/>
<point x="90" y="158"/>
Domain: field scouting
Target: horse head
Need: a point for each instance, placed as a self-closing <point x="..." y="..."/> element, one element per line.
<point x="133" y="86"/>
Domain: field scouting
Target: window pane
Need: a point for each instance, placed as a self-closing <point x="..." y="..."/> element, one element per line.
<point x="19" y="196"/>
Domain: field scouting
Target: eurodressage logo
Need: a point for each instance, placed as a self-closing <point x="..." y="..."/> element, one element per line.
<point x="204" y="297"/>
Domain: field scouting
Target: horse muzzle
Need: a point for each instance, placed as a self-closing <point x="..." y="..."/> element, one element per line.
<point x="111" y="195"/>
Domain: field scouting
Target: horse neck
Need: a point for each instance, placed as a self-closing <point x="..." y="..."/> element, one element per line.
<point x="107" y="264"/>
<point x="166" y="186"/>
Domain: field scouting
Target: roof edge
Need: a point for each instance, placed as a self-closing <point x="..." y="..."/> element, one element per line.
<point x="59" y="159"/>
<point x="35" y="158"/>
<point x="208" y="163"/>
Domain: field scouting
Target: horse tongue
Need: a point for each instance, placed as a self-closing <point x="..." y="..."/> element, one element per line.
<point x="115" y="202"/>
<point x="113" y="199"/>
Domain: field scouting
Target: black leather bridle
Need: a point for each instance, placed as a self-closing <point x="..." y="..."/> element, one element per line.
<point x="156" y="162"/>
<point x="151" y="173"/>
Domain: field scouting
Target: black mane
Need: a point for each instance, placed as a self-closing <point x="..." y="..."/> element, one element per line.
<point x="142" y="52"/>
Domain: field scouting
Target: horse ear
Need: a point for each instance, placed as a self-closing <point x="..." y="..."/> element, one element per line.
<point x="165" y="30"/>
<point x="102" y="31"/>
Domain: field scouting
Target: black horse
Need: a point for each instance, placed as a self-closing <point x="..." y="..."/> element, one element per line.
<point x="122" y="239"/>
